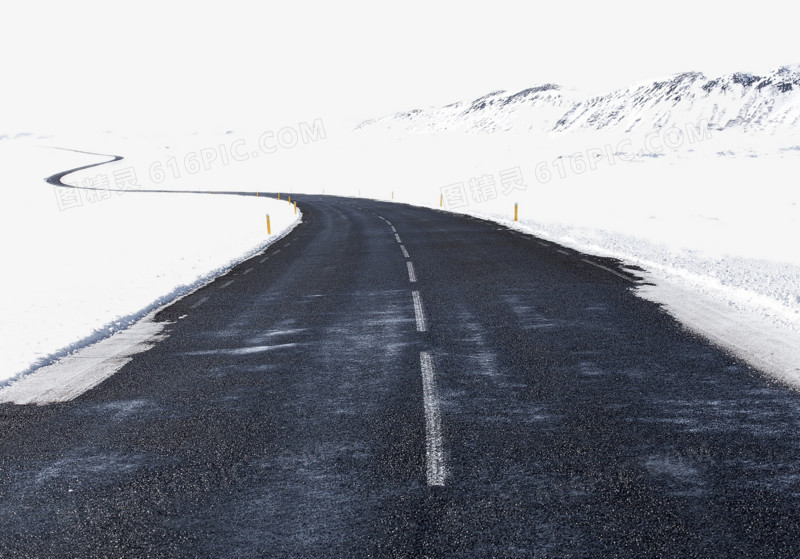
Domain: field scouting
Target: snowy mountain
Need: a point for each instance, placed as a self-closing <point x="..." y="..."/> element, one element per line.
<point x="740" y="101"/>
<point x="536" y="108"/>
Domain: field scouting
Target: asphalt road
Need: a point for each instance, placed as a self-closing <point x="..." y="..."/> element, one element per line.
<point x="514" y="400"/>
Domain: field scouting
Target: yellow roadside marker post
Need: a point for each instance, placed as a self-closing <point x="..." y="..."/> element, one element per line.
<point x="295" y="207"/>
<point x="516" y="212"/>
<point x="269" y="228"/>
<point x="441" y="200"/>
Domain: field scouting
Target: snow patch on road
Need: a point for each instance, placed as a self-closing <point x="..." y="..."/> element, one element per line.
<point x="83" y="370"/>
<point x="766" y="346"/>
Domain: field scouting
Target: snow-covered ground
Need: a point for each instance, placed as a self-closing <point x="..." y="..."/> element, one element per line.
<point x="79" y="265"/>
<point x="689" y="178"/>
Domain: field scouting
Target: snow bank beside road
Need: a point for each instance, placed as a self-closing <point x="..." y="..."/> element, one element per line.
<point x="77" y="273"/>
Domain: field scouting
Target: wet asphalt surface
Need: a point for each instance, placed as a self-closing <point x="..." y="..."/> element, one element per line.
<point x="283" y="416"/>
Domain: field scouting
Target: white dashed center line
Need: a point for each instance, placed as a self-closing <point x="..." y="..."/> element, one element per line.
<point x="434" y="455"/>
<point x="562" y="251"/>
<point x="419" y="313"/>
<point x="226" y="284"/>
<point x="433" y="423"/>
<point x="412" y="277"/>
<point x="247" y="271"/>
<point x="263" y="260"/>
<point x="198" y="303"/>
<point x="393" y="229"/>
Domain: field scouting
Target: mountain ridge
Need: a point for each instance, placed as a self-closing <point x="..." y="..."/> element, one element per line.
<point x="741" y="100"/>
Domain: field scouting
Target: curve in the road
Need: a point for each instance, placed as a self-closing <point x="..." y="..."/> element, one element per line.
<point x="58" y="178"/>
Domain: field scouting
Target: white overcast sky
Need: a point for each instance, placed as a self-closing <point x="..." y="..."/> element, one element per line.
<point x="167" y="66"/>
